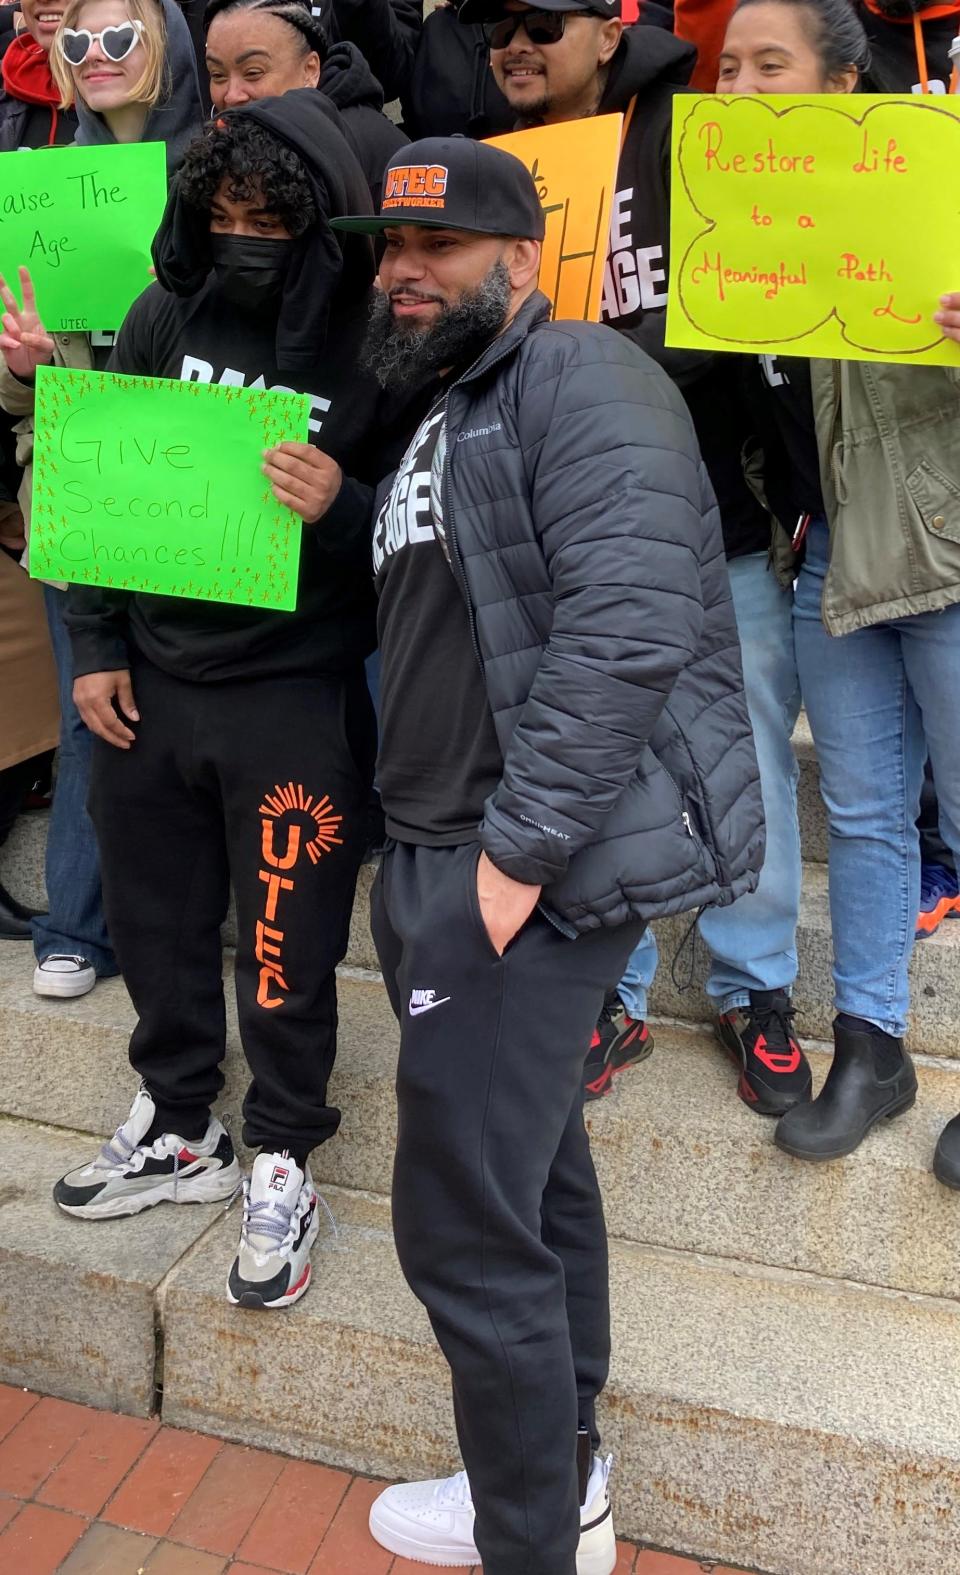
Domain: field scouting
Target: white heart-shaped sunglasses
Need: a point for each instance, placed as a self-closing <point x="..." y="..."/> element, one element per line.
<point x="116" y="42"/>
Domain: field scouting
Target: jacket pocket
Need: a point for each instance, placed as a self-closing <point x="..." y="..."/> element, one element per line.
<point x="692" y="820"/>
<point x="937" y="499"/>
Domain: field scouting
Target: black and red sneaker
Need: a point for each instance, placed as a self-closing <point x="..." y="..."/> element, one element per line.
<point x="774" y="1072"/>
<point x="618" y="1041"/>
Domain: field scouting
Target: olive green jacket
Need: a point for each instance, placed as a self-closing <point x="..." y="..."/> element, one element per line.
<point x="889" y="442"/>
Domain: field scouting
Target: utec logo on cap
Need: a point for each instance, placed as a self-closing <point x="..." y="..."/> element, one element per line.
<point x="452" y="183"/>
<point x="415" y="186"/>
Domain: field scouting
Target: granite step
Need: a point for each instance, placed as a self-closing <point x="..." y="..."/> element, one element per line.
<point x="78" y="1300"/>
<point x="755" y="1415"/>
<point x="935" y="970"/>
<point x="683" y="1163"/>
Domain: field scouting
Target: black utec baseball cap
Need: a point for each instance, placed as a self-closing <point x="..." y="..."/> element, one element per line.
<point x="452" y="183"/>
<point x="496" y="10"/>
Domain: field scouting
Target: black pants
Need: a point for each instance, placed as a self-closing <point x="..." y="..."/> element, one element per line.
<point x="496" y="1207"/>
<point x="263" y="783"/>
<point x="933" y="849"/>
<point x="15" y="783"/>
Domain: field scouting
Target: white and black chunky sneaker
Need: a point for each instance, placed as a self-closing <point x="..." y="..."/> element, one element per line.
<point x="129" y="1176"/>
<point x="280" y="1225"/>
<point x="432" y="1522"/>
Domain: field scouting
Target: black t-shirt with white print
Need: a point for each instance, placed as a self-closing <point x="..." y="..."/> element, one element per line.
<point x="439" y="756"/>
<point x="786" y="404"/>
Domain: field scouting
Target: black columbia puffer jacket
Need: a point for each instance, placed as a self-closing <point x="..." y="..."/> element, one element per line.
<point x="586" y="539"/>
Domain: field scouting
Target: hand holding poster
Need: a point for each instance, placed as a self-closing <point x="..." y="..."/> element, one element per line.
<point x="82" y="220"/>
<point x="574" y="165"/>
<point x="826" y="226"/>
<point x="151" y="484"/>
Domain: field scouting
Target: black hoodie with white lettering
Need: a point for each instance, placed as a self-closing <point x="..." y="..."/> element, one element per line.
<point x="308" y="343"/>
<point x="649" y="70"/>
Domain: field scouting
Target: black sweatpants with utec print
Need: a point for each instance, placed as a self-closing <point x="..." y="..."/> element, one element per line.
<point x="496" y="1207"/>
<point x="262" y="783"/>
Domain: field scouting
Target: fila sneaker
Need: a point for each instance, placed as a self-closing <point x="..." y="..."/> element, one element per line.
<point x="129" y="1176"/>
<point x="432" y="1522"/>
<point x="280" y="1225"/>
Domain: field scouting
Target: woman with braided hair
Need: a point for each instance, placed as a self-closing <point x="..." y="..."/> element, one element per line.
<point x="263" y="48"/>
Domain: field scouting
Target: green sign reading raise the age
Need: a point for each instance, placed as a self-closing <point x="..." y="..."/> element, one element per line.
<point x="150" y="484"/>
<point x="82" y="220"/>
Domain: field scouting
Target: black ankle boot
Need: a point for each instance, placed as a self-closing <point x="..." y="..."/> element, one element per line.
<point x="946" y="1160"/>
<point x="854" y="1097"/>
<point x="15" y="918"/>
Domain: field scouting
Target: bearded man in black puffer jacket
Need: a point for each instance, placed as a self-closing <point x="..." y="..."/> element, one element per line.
<point x="565" y="753"/>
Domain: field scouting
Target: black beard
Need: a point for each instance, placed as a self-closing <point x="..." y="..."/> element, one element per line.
<point x="399" y="356"/>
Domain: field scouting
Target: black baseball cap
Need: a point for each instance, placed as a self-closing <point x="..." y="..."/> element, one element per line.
<point x="496" y="11"/>
<point x="452" y="183"/>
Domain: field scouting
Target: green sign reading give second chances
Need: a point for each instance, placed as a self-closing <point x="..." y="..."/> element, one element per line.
<point x="154" y="485"/>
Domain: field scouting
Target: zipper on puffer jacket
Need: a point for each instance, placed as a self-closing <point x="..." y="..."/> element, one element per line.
<point x="456" y="562"/>
<point x="460" y="579"/>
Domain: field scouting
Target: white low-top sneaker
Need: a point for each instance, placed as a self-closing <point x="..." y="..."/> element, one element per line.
<point x="280" y="1224"/>
<point x="129" y="1176"/>
<point x="432" y="1522"/>
<point x="63" y="977"/>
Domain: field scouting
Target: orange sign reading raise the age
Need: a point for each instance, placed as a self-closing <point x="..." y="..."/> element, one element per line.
<point x="574" y="165"/>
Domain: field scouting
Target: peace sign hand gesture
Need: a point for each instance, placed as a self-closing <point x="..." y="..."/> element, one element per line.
<point x="25" y="342"/>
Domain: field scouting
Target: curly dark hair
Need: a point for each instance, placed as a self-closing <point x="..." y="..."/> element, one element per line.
<point x="254" y="163"/>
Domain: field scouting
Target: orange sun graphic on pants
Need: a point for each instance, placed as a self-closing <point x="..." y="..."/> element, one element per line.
<point x="281" y="802"/>
<point x="299" y="815"/>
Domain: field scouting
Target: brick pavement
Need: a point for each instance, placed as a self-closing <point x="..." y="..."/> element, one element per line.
<point x="84" y="1492"/>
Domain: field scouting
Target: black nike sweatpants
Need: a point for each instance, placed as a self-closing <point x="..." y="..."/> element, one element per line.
<point x="496" y="1207"/>
<point x="262" y="783"/>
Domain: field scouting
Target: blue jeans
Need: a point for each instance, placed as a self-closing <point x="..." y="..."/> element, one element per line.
<point x="753" y="942"/>
<point x="878" y="700"/>
<point x="75" y="922"/>
<point x="372" y="668"/>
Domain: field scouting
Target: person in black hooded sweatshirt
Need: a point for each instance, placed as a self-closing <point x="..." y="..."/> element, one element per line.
<point x="235" y="745"/>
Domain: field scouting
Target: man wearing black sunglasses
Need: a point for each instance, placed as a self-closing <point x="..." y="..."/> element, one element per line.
<point x="551" y="61"/>
<point x="562" y="60"/>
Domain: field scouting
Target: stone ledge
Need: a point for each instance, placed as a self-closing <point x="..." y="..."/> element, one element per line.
<point x="754" y="1415"/>
<point x="683" y="1163"/>
<point x="77" y="1297"/>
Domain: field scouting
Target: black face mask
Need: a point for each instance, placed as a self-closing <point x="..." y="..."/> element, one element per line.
<point x="251" y="270"/>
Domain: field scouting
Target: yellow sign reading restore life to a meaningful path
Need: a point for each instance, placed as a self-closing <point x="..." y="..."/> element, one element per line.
<point x="825" y="226"/>
<point x="574" y="165"/>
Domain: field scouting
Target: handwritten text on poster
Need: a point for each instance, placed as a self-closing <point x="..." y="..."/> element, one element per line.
<point x="82" y="220"/>
<point x="574" y="165"/>
<point x="825" y="227"/>
<point x="151" y="484"/>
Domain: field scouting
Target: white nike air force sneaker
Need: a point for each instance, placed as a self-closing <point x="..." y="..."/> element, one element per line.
<point x="432" y="1522"/>
<point x="280" y="1225"/>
